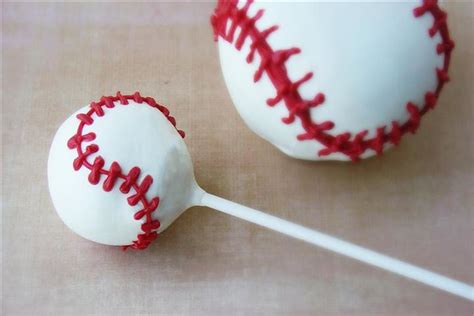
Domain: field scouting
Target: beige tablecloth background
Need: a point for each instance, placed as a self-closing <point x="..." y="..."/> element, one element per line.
<point x="415" y="202"/>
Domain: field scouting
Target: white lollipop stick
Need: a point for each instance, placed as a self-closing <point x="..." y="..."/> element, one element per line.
<point x="340" y="246"/>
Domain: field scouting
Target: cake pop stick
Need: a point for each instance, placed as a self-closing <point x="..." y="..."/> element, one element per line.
<point x="119" y="173"/>
<point x="340" y="246"/>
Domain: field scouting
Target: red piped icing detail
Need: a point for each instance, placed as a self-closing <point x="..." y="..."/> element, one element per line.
<point x="228" y="17"/>
<point x="76" y="140"/>
<point x="94" y="176"/>
<point x="130" y="179"/>
<point x="114" y="174"/>
<point x="415" y="117"/>
<point x="82" y="158"/>
<point x="87" y="120"/>
<point x="378" y="140"/>
<point x="396" y="133"/>
<point x="141" y="190"/>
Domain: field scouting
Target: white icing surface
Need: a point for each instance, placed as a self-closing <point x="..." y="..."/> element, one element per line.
<point x="132" y="135"/>
<point x="369" y="59"/>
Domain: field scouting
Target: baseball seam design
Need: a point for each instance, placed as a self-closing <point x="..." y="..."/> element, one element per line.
<point x="115" y="172"/>
<point x="272" y="62"/>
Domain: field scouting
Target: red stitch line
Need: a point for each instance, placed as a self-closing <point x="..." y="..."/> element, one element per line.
<point x="273" y="64"/>
<point x="114" y="173"/>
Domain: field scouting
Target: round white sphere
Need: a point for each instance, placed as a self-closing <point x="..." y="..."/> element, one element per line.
<point x="368" y="61"/>
<point x="131" y="135"/>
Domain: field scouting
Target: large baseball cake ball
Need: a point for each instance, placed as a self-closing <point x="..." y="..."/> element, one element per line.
<point x="333" y="80"/>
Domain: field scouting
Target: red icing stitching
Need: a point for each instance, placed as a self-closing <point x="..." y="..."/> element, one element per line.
<point x="114" y="173"/>
<point x="273" y="64"/>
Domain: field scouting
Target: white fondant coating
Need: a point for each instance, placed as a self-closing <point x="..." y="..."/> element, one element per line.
<point x="369" y="59"/>
<point x="133" y="135"/>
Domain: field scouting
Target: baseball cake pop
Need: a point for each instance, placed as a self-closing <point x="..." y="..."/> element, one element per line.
<point x="119" y="173"/>
<point x="105" y="143"/>
<point x="325" y="80"/>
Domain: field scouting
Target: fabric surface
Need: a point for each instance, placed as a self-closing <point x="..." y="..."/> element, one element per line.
<point x="414" y="203"/>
